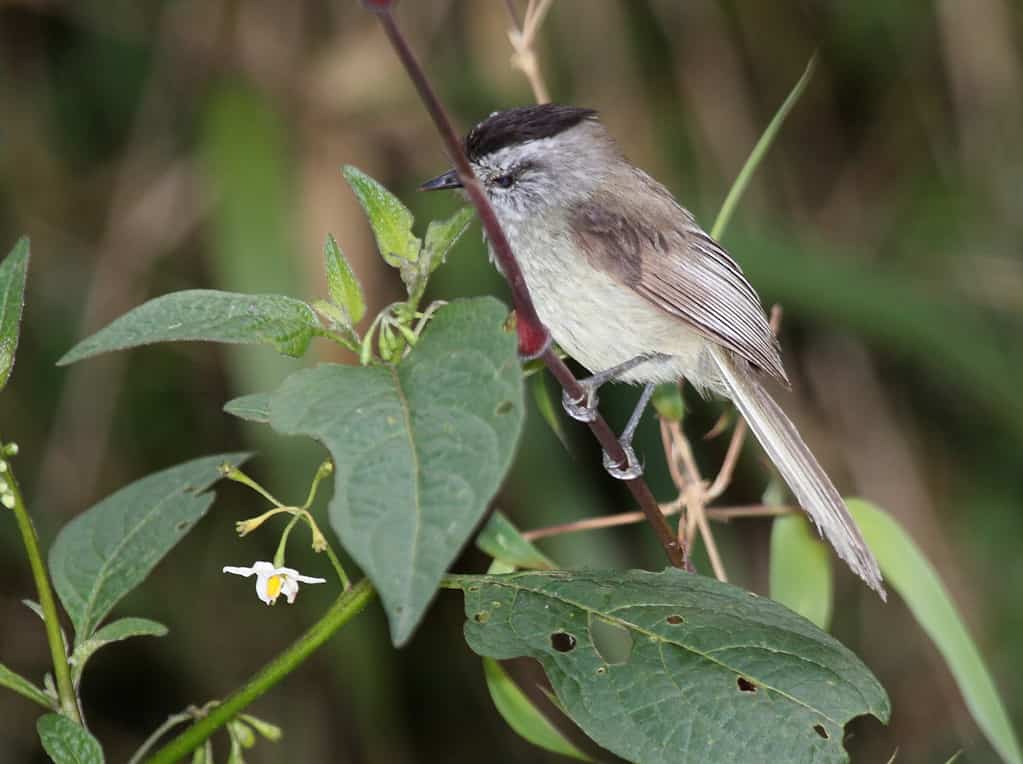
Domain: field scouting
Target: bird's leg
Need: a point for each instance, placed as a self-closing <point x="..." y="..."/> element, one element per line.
<point x="632" y="469"/>
<point x="584" y="409"/>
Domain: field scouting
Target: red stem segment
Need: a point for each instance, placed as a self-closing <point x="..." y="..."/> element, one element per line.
<point x="534" y="337"/>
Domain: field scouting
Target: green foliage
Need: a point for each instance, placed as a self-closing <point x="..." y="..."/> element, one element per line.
<point x="107" y="551"/>
<point x="284" y="323"/>
<point x="19" y="684"/>
<point x="13" y="273"/>
<point x="800" y="575"/>
<point x="252" y="408"/>
<point x="121" y="629"/>
<point x="910" y="574"/>
<point x="441" y="236"/>
<point x="419" y="448"/>
<point x="344" y="288"/>
<point x="502" y="541"/>
<point x="715" y="673"/>
<point x="67" y="742"/>
<point x="390" y="219"/>
<point x="524" y="717"/>
<point x="668" y="403"/>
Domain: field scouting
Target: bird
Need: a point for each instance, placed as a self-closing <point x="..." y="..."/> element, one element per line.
<point x="634" y="290"/>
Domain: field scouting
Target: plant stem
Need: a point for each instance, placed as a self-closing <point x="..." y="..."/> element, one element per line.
<point x="347" y="606"/>
<point x="171" y="722"/>
<point x="534" y="337"/>
<point x="51" y="619"/>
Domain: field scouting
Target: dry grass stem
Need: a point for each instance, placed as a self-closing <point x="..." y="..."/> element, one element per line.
<point x="522" y="39"/>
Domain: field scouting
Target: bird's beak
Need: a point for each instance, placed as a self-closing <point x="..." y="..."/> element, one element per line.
<point x="441" y="182"/>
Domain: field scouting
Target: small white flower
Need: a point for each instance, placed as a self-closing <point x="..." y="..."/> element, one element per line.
<point x="272" y="582"/>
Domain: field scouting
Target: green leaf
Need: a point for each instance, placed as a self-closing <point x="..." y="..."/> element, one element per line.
<point x="419" y="448"/>
<point x="253" y="408"/>
<point x="715" y="673"/>
<point x="67" y="742"/>
<point x="121" y="629"/>
<point x="19" y="684"/>
<point x="668" y="403"/>
<point x="109" y="549"/>
<point x="544" y="402"/>
<point x="522" y="716"/>
<point x="284" y="323"/>
<point x="801" y="569"/>
<point x="442" y="235"/>
<point x="390" y="219"/>
<point x="502" y="541"/>
<point x="344" y="288"/>
<point x="13" y="273"/>
<point x="910" y="574"/>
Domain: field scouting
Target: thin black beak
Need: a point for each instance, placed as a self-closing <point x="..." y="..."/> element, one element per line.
<point x="441" y="182"/>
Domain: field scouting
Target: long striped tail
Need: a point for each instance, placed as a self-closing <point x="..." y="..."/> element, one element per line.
<point x="800" y="470"/>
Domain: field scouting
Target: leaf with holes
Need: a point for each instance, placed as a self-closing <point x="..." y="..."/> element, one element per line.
<point x="67" y="742"/>
<point x="419" y="449"/>
<point x="13" y="273"/>
<point x="284" y="323"/>
<point x="673" y="667"/>
<point x="109" y="549"/>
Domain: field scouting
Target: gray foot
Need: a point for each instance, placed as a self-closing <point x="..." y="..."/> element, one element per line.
<point x="631" y="470"/>
<point x="583" y="409"/>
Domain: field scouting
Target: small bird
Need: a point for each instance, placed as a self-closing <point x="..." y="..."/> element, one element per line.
<point x="634" y="290"/>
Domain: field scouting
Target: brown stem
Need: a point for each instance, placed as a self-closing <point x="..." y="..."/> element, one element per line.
<point x="534" y="337"/>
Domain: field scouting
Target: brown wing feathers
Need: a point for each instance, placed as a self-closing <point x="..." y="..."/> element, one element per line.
<point x="663" y="254"/>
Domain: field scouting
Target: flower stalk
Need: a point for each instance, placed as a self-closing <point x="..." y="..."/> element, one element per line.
<point x="13" y="500"/>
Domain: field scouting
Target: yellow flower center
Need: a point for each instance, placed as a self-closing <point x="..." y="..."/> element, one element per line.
<point x="273" y="587"/>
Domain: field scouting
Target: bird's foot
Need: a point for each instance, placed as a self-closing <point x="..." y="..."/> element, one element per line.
<point x="583" y="409"/>
<point x="631" y="470"/>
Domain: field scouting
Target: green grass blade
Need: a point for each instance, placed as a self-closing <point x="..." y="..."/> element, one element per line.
<point x="759" y="150"/>
<point x="911" y="575"/>
<point x="522" y="716"/>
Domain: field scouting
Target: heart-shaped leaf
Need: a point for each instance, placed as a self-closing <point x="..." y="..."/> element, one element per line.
<point x="669" y="667"/>
<point x="419" y="449"/>
<point x="284" y="323"/>
<point x="109" y="549"/>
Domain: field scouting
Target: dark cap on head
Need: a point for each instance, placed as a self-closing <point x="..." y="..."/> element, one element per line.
<point x="526" y="123"/>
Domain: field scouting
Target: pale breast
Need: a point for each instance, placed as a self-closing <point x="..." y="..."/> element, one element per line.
<point x="600" y="322"/>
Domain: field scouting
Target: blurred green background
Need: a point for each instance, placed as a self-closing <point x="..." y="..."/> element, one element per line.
<point x="150" y="147"/>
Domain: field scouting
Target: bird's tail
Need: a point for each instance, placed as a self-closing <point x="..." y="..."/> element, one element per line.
<point x="810" y="484"/>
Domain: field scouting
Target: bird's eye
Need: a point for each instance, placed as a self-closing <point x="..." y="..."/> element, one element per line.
<point x="504" y="181"/>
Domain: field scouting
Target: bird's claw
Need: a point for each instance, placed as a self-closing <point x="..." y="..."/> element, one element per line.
<point x="582" y="409"/>
<point x="631" y="470"/>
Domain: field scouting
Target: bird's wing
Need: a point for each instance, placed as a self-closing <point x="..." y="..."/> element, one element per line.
<point x="656" y="247"/>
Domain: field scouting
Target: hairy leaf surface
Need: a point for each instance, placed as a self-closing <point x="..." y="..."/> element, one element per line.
<point x="284" y="323"/>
